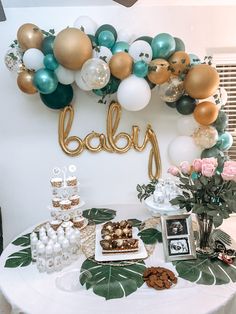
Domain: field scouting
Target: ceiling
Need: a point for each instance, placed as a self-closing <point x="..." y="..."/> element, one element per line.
<point x="56" y="3"/>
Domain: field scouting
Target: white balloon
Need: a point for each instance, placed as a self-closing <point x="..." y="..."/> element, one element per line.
<point x="134" y="93"/>
<point x="103" y="53"/>
<point x="141" y="50"/>
<point x="80" y="83"/>
<point x="183" y="148"/>
<point x="65" y="76"/>
<point x="186" y="125"/>
<point x="33" y="59"/>
<point x="124" y="35"/>
<point x="86" y="24"/>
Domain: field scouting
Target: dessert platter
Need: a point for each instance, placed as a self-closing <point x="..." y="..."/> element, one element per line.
<point x="117" y="241"/>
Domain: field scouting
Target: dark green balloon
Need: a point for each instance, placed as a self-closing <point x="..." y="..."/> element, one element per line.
<point x="214" y="152"/>
<point x="221" y="122"/>
<point x="179" y="44"/>
<point x="171" y="104"/>
<point x="148" y="39"/>
<point x="60" y="98"/>
<point x="47" y="46"/>
<point x="109" y="89"/>
<point x="106" y="27"/>
<point x="93" y="40"/>
<point x="186" y="105"/>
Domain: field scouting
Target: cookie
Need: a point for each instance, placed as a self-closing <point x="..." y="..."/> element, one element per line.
<point x="159" y="278"/>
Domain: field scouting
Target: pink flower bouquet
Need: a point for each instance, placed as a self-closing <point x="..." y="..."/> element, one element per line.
<point x="205" y="189"/>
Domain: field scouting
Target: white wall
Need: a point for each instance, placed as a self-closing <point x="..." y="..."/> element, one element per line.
<point x="28" y="129"/>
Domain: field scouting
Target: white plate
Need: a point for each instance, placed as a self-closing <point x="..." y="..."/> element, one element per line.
<point x="100" y="257"/>
<point x="158" y="211"/>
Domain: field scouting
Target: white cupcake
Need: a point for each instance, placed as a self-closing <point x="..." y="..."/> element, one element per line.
<point x="65" y="204"/>
<point x="71" y="181"/>
<point x="56" y="182"/>
<point x="75" y="199"/>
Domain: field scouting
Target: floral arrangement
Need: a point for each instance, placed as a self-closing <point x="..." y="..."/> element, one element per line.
<point x="206" y="189"/>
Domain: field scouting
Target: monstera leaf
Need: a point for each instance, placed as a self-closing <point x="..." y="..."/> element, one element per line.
<point x="135" y="222"/>
<point x="112" y="282"/>
<point x="23" y="240"/>
<point x="150" y="236"/>
<point x="99" y="215"/>
<point x="206" y="271"/>
<point x="21" y="258"/>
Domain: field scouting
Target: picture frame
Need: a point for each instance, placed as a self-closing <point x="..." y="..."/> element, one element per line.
<point x="178" y="238"/>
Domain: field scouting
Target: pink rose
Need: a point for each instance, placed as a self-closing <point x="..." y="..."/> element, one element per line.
<point x="229" y="171"/>
<point x="208" y="170"/>
<point x="185" y="167"/>
<point x="197" y="165"/>
<point x="213" y="161"/>
<point x="174" y="171"/>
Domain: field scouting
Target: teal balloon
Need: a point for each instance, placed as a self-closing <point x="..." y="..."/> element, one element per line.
<point x="47" y="45"/>
<point x="186" y="105"/>
<point x="106" y="27"/>
<point x="179" y="44"/>
<point x="225" y="141"/>
<point x="120" y="46"/>
<point x="171" y="104"/>
<point x="45" y="81"/>
<point x="93" y="40"/>
<point x="194" y="59"/>
<point x="60" y="98"/>
<point x="140" y="68"/>
<point x="221" y="122"/>
<point x="107" y="39"/>
<point x="148" y="39"/>
<point x="163" y="46"/>
<point x="151" y="85"/>
<point x="109" y="89"/>
<point x="50" y="62"/>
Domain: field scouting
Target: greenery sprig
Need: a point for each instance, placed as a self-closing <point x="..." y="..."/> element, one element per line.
<point x="144" y="191"/>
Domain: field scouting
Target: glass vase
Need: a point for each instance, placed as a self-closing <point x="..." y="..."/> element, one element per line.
<point x="205" y="223"/>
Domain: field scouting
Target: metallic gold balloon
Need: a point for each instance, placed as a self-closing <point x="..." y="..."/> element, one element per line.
<point x="72" y="48"/>
<point x="206" y="113"/>
<point x="29" y="36"/>
<point x="121" y="65"/>
<point x="201" y="81"/>
<point x="25" y="82"/>
<point x="159" y="71"/>
<point x="179" y="62"/>
<point x="171" y="90"/>
<point x="205" y="136"/>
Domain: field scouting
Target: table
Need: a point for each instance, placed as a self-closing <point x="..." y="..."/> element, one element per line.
<point x="29" y="291"/>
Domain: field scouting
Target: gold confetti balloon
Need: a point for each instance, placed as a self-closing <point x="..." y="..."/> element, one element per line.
<point x="172" y="90"/>
<point x="205" y="136"/>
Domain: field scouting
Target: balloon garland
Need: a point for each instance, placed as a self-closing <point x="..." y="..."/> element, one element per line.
<point x="105" y="61"/>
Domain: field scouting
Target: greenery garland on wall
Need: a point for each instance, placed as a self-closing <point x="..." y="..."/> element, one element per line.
<point x="105" y="61"/>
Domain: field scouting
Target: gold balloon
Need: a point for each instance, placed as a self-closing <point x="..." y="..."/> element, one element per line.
<point x="201" y="81"/>
<point x="25" y="82"/>
<point x="29" y="36"/>
<point x="121" y="65"/>
<point x="159" y="71"/>
<point x="179" y="62"/>
<point x="206" y="113"/>
<point x="72" y="48"/>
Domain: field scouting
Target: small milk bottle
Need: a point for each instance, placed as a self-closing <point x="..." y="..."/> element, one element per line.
<point x="41" y="265"/>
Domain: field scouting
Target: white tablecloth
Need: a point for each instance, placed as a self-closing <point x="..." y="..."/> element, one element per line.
<point x="32" y="292"/>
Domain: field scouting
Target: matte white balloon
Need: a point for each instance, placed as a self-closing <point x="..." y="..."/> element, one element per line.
<point x="103" y="53"/>
<point x="141" y="50"/>
<point x="186" y="125"/>
<point x="86" y="24"/>
<point x="134" y="93"/>
<point x="80" y="83"/>
<point x="33" y="59"/>
<point x="95" y="73"/>
<point x="65" y="76"/>
<point x="124" y="35"/>
<point x="183" y="148"/>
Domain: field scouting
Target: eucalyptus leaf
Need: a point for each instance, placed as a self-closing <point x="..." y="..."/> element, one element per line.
<point x="206" y="271"/>
<point x="217" y="221"/>
<point x="112" y="282"/>
<point x="150" y="236"/>
<point x="21" y="258"/>
<point x="99" y="215"/>
<point x="23" y="240"/>
<point x="135" y="222"/>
